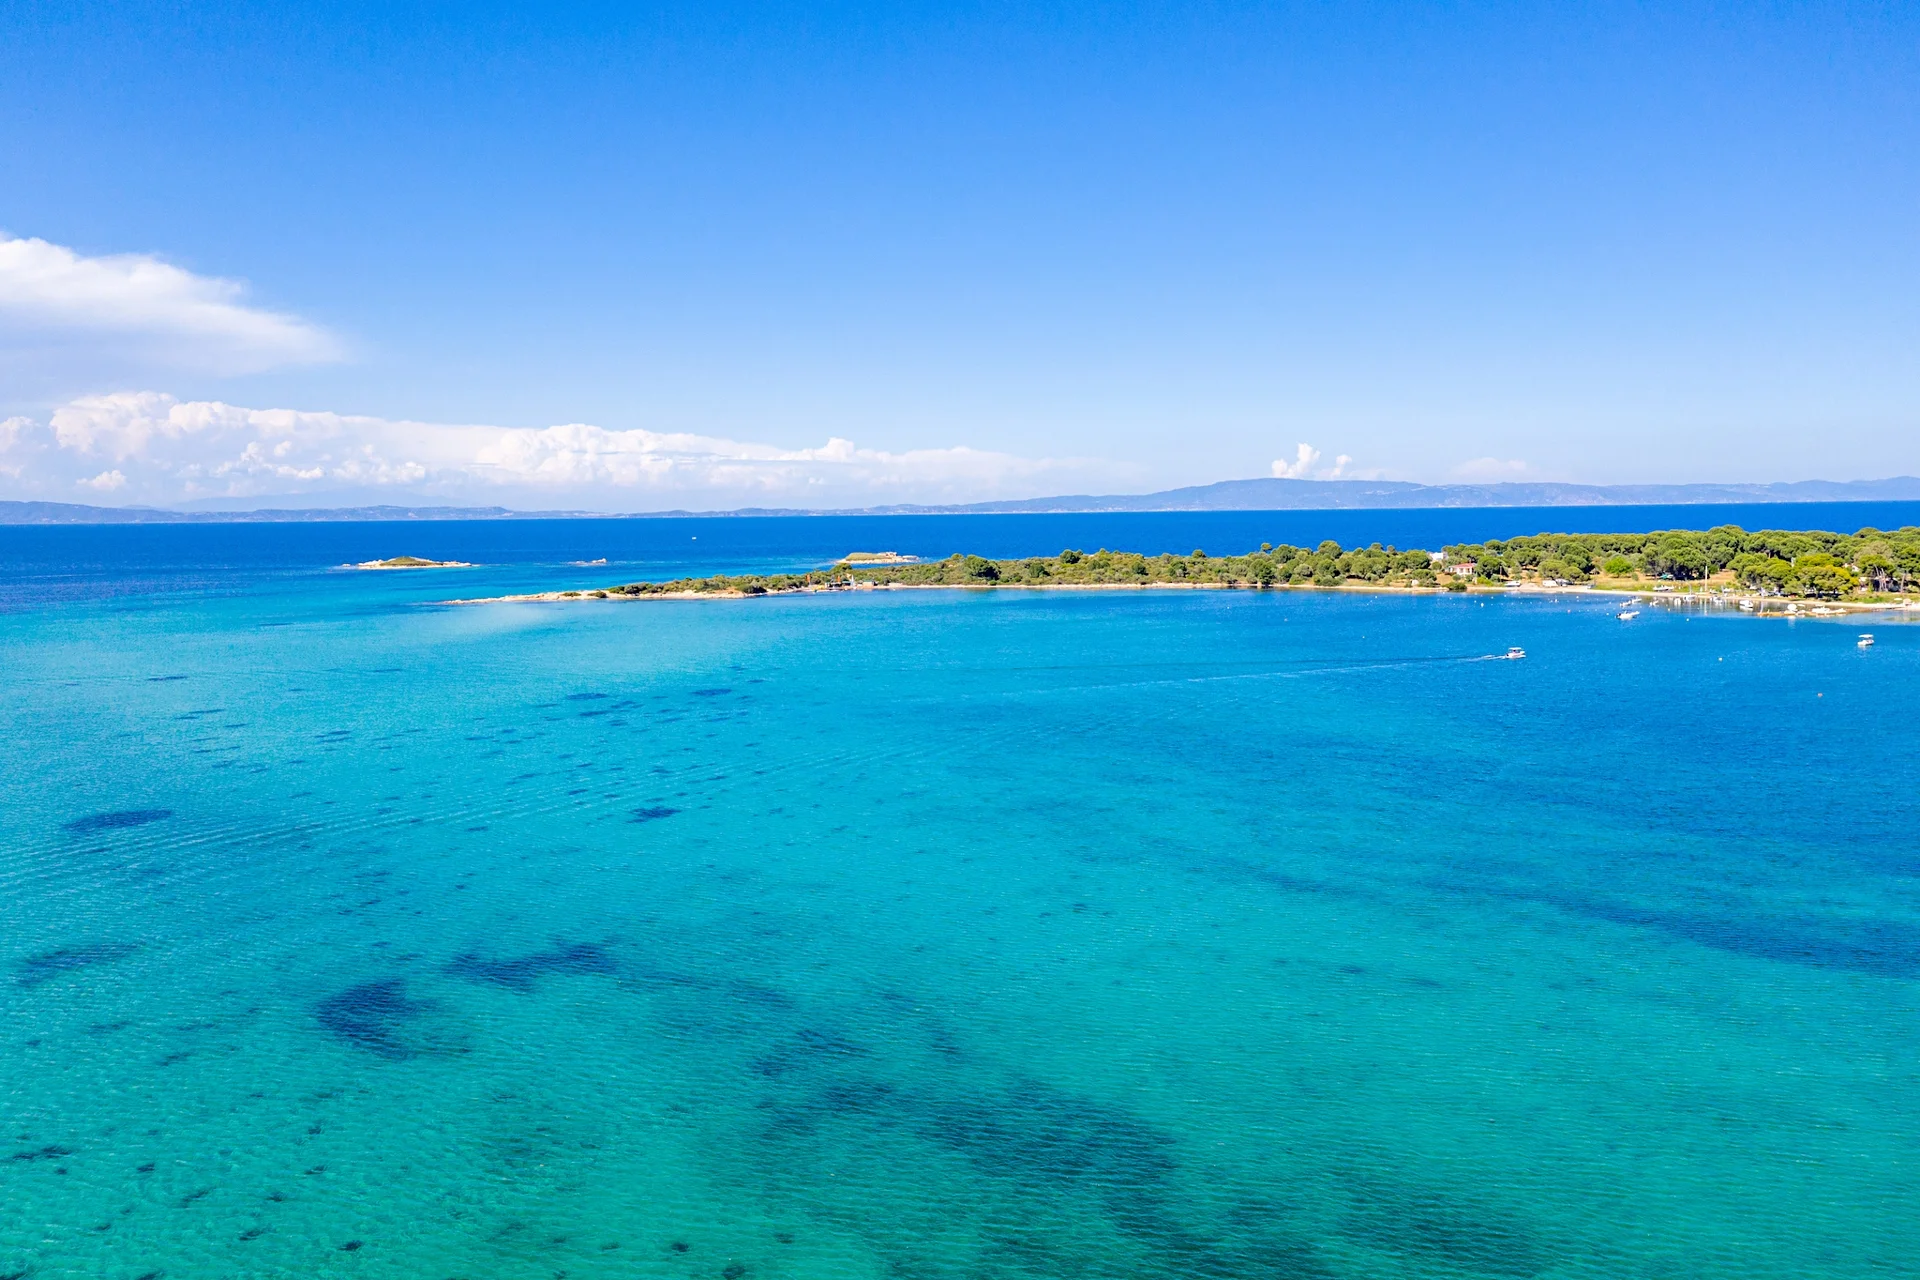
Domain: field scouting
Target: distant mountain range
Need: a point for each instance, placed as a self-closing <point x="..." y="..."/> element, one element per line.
<point x="1306" y="495"/>
<point x="1228" y="495"/>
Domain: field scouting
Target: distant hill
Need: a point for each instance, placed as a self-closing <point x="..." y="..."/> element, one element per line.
<point x="1227" y="495"/>
<point x="1295" y="495"/>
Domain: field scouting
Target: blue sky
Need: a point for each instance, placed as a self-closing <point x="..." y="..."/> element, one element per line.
<point x="641" y="257"/>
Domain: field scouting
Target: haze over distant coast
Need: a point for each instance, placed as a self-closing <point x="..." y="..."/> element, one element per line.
<point x="1227" y="495"/>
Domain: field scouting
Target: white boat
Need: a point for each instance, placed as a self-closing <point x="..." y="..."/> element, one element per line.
<point x="1628" y="615"/>
<point x="1866" y="640"/>
<point x="1516" y="652"/>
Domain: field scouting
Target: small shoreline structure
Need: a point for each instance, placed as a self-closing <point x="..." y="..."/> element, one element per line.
<point x="409" y="562"/>
<point x="1770" y="573"/>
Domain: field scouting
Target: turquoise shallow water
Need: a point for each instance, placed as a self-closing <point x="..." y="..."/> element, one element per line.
<point x="954" y="935"/>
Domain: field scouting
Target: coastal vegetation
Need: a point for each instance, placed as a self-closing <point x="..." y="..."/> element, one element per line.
<point x="1782" y="562"/>
<point x="1808" y="563"/>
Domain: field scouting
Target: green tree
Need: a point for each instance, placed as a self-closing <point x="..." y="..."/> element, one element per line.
<point x="1906" y="559"/>
<point x="1827" y="580"/>
<point x="1781" y="544"/>
<point x="1722" y="543"/>
<point x="1879" y="569"/>
<point x="1371" y="564"/>
<point x="1763" y="572"/>
<point x="1678" y="554"/>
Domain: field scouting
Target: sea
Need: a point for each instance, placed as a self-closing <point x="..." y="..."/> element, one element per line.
<point x="982" y="935"/>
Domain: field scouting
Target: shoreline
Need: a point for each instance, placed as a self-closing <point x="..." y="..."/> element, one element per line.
<point x="1772" y="573"/>
<point x="1761" y="606"/>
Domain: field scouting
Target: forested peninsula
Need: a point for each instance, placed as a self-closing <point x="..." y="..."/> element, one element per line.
<point x="1870" y="566"/>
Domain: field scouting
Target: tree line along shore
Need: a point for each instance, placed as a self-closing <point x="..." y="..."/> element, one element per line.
<point x="1870" y="565"/>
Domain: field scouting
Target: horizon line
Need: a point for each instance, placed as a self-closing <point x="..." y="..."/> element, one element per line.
<point x="1224" y="495"/>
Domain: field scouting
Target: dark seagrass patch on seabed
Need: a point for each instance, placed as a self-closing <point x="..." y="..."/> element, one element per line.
<point x="33" y="1154"/>
<point x="115" y="821"/>
<point x="372" y="1016"/>
<point x="1431" y="1227"/>
<point x="1888" y="948"/>
<point x="48" y="965"/>
<point x="1878" y="945"/>
<point x="521" y="972"/>
<point x="1049" y="1148"/>
<point x="807" y="1044"/>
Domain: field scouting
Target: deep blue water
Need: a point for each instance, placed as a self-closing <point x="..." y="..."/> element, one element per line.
<point x="937" y="934"/>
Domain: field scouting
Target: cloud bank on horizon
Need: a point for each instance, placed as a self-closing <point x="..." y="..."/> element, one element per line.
<point x="148" y="447"/>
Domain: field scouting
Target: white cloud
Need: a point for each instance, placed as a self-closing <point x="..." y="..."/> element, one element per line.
<point x="1302" y="465"/>
<point x="1491" y="469"/>
<point x="1306" y="466"/>
<point x="150" y="447"/>
<point x="16" y="443"/>
<point x="146" y="305"/>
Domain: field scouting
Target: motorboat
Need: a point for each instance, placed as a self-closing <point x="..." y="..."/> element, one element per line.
<point x="1516" y="652"/>
<point x="1866" y="640"/>
<point x="1627" y="615"/>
